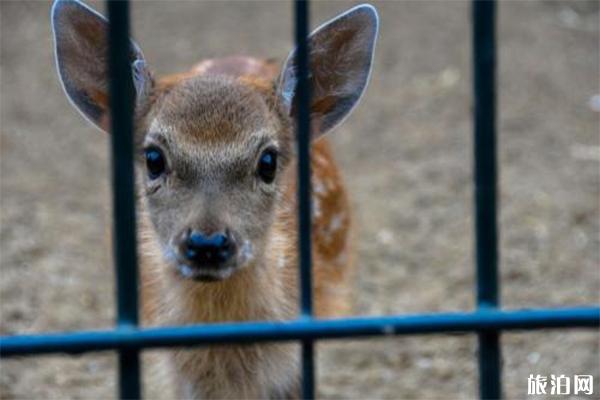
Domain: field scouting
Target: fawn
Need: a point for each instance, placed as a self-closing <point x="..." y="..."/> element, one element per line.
<point x="216" y="184"/>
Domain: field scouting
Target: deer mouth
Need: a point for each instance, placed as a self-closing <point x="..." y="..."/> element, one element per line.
<point x="205" y="273"/>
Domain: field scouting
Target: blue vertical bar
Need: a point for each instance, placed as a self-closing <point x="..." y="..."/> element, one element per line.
<point x="486" y="230"/>
<point x="304" y="190"/>
<point x="121" y="110"/>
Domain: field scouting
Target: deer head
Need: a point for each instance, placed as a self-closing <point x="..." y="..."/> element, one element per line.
<point x="214" y="150"/>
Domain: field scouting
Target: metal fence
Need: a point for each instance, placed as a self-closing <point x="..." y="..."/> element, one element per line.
<point x="488" y="321"/>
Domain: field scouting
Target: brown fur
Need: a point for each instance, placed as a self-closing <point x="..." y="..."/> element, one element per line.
<point x="256" y="292"/>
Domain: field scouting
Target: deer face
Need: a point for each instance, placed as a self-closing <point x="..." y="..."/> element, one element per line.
<point x="214" y="149"/>
<point x="212" y="168"/>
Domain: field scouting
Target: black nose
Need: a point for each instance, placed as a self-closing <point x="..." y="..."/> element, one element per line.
<point x="208" y="251"/>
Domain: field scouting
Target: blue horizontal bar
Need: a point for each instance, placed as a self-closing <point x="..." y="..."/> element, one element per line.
<point x="246" y="332"/>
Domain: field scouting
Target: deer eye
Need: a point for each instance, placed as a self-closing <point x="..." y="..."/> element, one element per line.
<point x="155" y="162"/>
<point x="267" y="165"/>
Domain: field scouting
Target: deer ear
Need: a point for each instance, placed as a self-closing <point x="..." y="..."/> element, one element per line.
<point x="81" y="52"/>
<point x="341" y="54"/>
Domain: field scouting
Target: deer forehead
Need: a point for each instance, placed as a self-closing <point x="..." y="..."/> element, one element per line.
<point x="215" y="110"/>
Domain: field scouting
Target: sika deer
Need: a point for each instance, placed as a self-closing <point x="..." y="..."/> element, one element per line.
<point x="215" y="175"/>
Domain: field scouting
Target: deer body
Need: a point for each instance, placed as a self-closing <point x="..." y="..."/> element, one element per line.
<point x="265" y="292"/>
<point x="216" y="177"/>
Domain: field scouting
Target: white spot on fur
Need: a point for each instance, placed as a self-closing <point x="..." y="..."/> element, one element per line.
<point x="316" y="208"/>
<point x="281" y="261"/>
<point x="318" y="187"/>
<point x="319" y="159"/>
<point x="336" y="222"/>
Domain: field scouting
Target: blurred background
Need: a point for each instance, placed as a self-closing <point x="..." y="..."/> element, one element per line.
<point x="406" y="152"/>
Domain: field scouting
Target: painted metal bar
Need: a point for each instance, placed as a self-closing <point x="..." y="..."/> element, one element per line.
<point x="301" y="329"/>
<point x="303" y="139"/>
<point x="486" y="230"/>
<point x="301" y="12"/>
<point x="121" y="106"/>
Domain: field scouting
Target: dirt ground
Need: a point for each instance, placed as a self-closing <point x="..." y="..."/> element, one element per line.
<point x="406" y="153"/>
